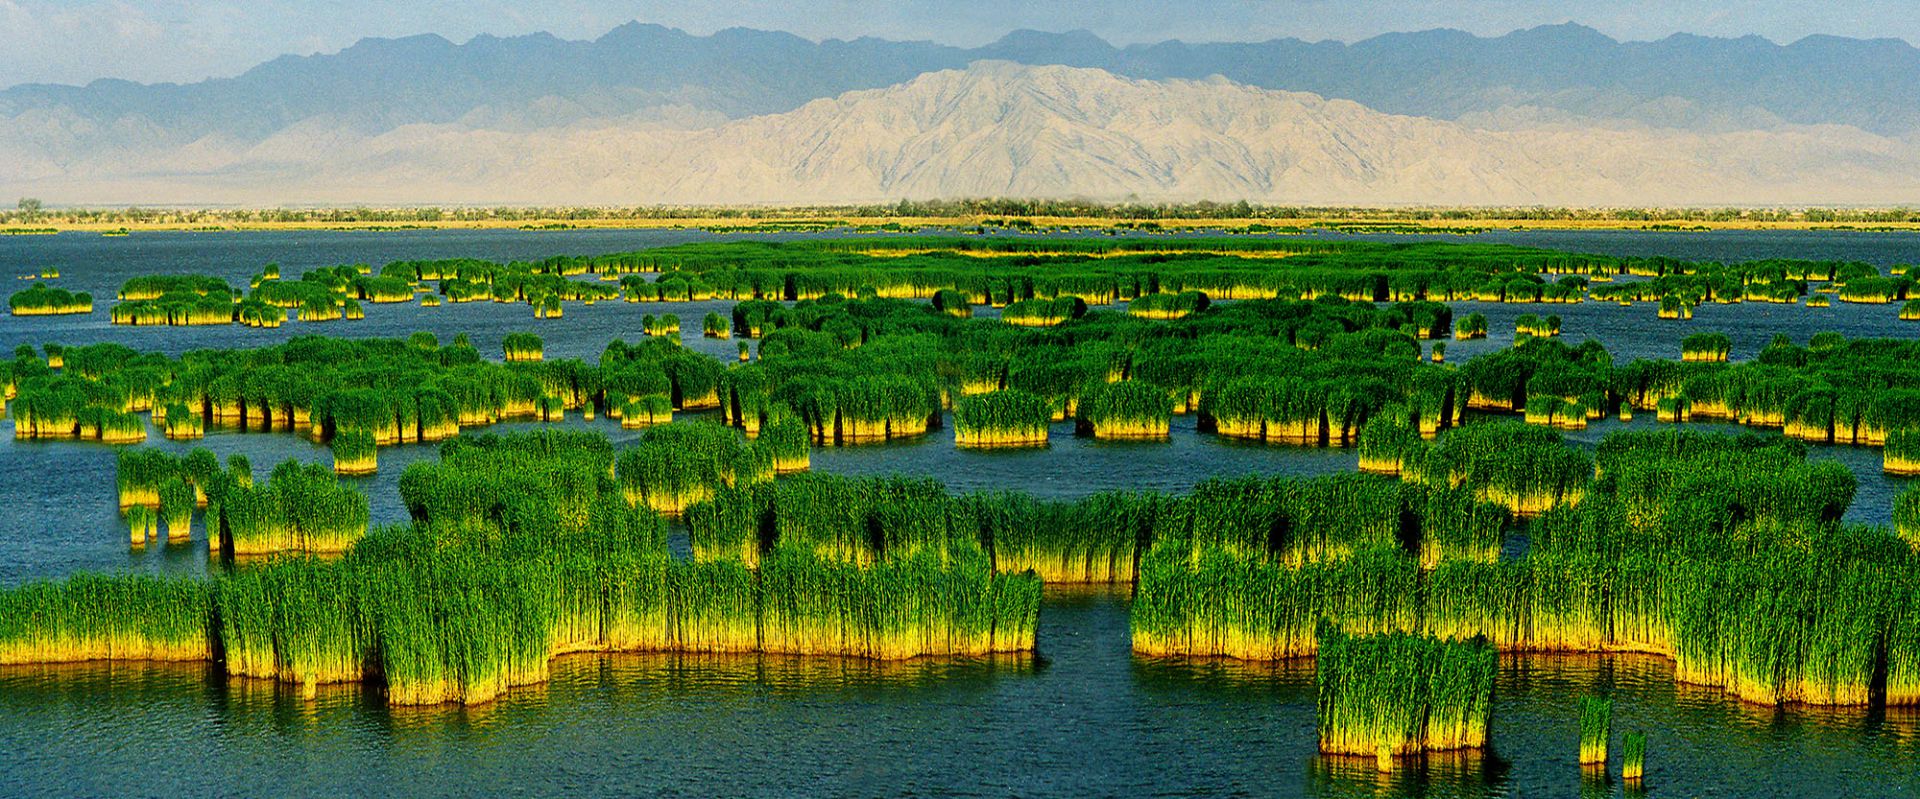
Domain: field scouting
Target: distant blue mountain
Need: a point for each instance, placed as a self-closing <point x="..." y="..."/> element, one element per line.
<point x="1554" y="73"/>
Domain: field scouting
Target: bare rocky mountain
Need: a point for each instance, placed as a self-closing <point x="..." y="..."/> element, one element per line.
<point x="1002" y="129"/>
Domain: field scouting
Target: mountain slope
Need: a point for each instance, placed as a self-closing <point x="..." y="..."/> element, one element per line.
<point x="1002" y="129"/>
<point x="1554" y="72"/>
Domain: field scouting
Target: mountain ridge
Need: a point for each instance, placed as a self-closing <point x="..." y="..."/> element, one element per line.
<point x="1568" y="69"/>
<point x="1002" y="129"/>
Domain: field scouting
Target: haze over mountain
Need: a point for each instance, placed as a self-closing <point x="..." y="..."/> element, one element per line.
<point x="1558" y="114"/>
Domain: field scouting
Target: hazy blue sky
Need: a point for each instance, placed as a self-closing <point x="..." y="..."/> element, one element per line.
<point x="73" y="41"/>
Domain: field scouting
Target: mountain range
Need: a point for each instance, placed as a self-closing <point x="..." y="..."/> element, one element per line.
<point x="1560" y="114"/>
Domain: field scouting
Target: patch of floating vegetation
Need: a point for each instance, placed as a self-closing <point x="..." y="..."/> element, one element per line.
<point x="1393" y="695"/>
<point x="663" y="326"/>
<point x="1722" y="553"/>
<point x="1004" y="418"/>
<point x="675" y="466"/>
<point x="522" y="548"/>
<point x="522" y="347"/>
<point x="1001" y="271"/>
<point x="1706" y="347"/>
<point x="1531" y="326"/>
<point x="44" y="300"/>
<point x="1043" y="313"/>
<point x="326" y="388"/>
<point x="300" y="507"/>
<point x="1168" y="306"/>
<point x="954" y="303"/>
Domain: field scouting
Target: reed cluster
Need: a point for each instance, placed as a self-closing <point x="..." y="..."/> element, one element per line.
<point x="43" y="300"/>
<point x="300" y="508"/>
<point x="1677" y="307"/>
<point x="1473" y="326"/>
<point x="1633" y="758"/>
<point x="665" y="325"/>
<point x="677" y="465"/>
<point x="1044" y="313"/>
<point x="1392" y="695"/>
<point x="522" y="347"/>
<point x="354" y="453"/>
<point x="1706" y="348"/>
<point x="954" y="303"/>
<point x="1596" y="729"/>
<point x="1126" y="410"/>
<point x="1007" y="418"/>
<point x="1906" y="516"/>
<point x="88" y="617"/>
<point x="1531" y="326"/>
<point x="1522" y="467"/>
<point x="1168" y="306"/>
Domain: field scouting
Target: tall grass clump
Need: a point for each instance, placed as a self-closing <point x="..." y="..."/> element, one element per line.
<point x="1213" y="601"/>
<point x="143" y="524"/>
<point x="1633" y="758"/>
<point x="132" y="617"/>
<point x="715" y="326"/>
<point x="1005" y="418"/>
<point x="1044" y="313"/>
<point x="138" y="474"/>
<point x="1389" y="443"/>
<point x="1596" y="728"/>
<point x="788" y="443"/>
<point x="300" y="508"/>
<point x="1168" y="306"/>
<point x="1677" y="307"/>
<point x="1473" y="325"/>
<point x="42" y="300"/>
<point x="1126" y="409"/>
<point x="1901" y="452"/>
<point x="1093" y="540"/>
<point x="664" y="325"/>
<point x="677" y="465"/>
<point x="179" y="423"/>
<point x="177" y="502"/>
<point x="953" y="303"/>
<point x="522" y="347"/>
<point x="300" y="621"/>
<point x="1906" y="516"/>
<point x="354" y="453"/>
<point x="646" y="411"/>
<point x="1522" y="467"/>
<point x="1393" y="695"/>
<point x="1706" y="348"/>
<point x="1531" y="326"/>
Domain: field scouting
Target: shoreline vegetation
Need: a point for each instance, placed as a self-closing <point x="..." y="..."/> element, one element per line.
<point x="989" y="213"/>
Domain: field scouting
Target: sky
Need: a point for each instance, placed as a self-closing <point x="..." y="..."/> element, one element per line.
<point x="75" y="41"/>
